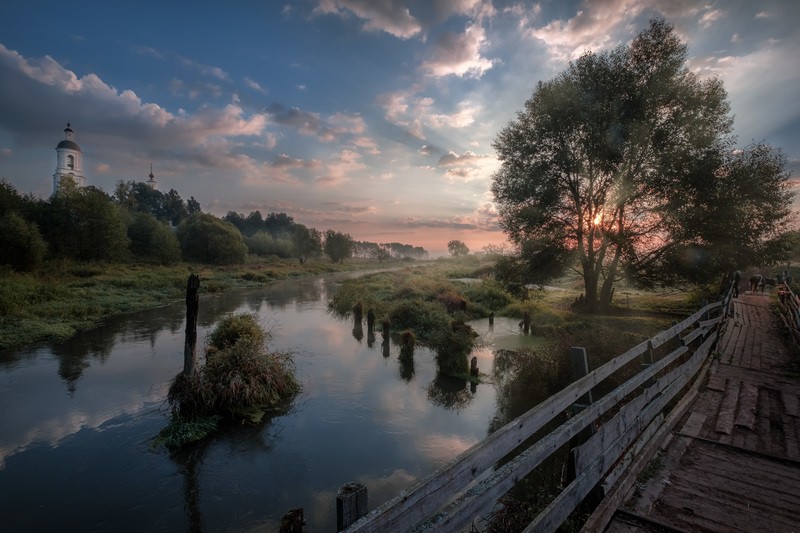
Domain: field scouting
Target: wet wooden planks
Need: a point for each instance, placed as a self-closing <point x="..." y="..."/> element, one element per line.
<point x="734" y="462"/>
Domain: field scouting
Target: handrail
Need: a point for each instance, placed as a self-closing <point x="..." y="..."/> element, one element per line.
<point x="424" y="504"/>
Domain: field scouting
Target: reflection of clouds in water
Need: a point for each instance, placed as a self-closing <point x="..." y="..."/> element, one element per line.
<point x="442" y="448"/>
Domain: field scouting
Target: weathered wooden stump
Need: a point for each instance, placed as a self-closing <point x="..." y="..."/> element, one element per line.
<point x="293" y="521"/>
<point x="351" y="504"/>
<point x="370" y="321"/>
<point x="473" y="368"/>
<point x="491" y="319"/>
<point x="526" y="322"/>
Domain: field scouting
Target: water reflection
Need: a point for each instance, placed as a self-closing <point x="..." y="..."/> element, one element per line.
<point x="360" y="417"/>
<point x="450" y="393"/>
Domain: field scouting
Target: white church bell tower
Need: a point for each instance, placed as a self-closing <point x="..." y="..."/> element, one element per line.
<point x="69" y="161"/>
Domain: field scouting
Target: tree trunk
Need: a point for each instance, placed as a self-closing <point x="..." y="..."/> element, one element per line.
<point x="192" y="305"/>
<point x="590" y="278"/>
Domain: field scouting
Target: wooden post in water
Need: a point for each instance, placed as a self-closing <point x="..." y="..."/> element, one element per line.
<point x="370" y="321"/>
<point x="473" y="367"/>
<point x="192" y="306"/>
<point x="491" y="318"/>
<point x="526" y="322"/>
<point x="351" y="504"/>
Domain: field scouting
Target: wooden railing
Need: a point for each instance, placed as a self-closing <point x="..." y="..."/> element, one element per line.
<point x="463" y="492"/>
<point x="789" y="306"/>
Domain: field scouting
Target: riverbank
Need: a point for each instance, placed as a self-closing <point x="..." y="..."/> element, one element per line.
<point x="64" y="298"/>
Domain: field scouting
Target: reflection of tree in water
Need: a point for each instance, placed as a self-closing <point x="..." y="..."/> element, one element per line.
<point x="450" y="393"/>
<point x="253" y="438"/>
<point x="407" y="368"/>
<point x="73" y="354"/>
<point x="523" y="379"/>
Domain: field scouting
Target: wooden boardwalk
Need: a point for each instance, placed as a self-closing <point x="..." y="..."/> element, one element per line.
<point x="732" y="463"/>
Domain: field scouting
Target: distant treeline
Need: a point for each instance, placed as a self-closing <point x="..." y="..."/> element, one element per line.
<point x="138" y="223"/>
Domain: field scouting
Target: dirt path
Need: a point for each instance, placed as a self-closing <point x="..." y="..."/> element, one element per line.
<point x="733" y="462"/>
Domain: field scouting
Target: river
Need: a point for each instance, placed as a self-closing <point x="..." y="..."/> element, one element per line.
<point x="77" y="420"/>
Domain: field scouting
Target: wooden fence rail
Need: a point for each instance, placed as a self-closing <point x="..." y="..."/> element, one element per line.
<point x="468" y="487"/>
<point x="790" y="311"/>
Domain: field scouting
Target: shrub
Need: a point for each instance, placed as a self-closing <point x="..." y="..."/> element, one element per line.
<point x="239" y="376"/>
<point x="207" y="239"/>
<point x="152" y="240"/>
<point x="21" y="244"/>
<point x="234" y="327"/>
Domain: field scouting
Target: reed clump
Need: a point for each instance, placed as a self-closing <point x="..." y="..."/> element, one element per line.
<point x="240" y="380"/>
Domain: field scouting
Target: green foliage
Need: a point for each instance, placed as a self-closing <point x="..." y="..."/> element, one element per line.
<point x="232" y="328"/>
<point x="623" y="161"/>
<point x="85" y="224"/>
<point x="139" y="197"/>
<point x="239" y="374"/>
<point x="207" y="239"/>
<point x="457" y="248"/>
<point x="338" y="246"/>
<point x="152" y="240"/>
<point x="21" y="244"/>
<point x="488" y="294"/>
<point x="183" y="431"/>
<point x="263" y="244"/>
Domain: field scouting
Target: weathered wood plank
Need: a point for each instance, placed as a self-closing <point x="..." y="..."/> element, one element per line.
<point x="435" y="490"/>
<point x="790" y="403"/>
<point x="560" y="508"/>
<point x="746" y="416"/>
<point x="727" y="410"/>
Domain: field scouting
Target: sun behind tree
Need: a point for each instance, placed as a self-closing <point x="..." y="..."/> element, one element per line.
<point x="622" y="167"/>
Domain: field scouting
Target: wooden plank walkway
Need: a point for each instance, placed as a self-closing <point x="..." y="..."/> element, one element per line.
<point x="733" y="462"/>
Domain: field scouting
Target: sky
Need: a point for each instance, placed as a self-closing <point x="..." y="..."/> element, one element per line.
<point x="374" y="118"/>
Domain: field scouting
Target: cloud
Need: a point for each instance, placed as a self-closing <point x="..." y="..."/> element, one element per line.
<point x="340" y="169"/>
<point x="710" y="16"/>
<point x="429" y="150"/>
<point x="254" y="85"/>
<point x="459" y="55"/>
<point x="468" y="167"/>
<point x="483" y="218"/>
<point x="388" y="16"/>
<point x="312" y="124"/>
<point x="101" y="168"/>
<point x="191" y="64"/>
<point x="465" y="116"/>
<point x="6" y="153"/>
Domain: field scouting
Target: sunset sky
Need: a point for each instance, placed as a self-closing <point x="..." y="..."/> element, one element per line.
<point x="371" y="117"/>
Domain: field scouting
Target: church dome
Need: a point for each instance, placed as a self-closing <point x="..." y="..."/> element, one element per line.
<point x="72" y="145"/>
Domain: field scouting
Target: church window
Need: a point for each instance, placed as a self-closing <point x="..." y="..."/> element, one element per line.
<point x="71" y="162"/>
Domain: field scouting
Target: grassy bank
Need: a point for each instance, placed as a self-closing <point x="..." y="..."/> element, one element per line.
<point x="65" y="297"/>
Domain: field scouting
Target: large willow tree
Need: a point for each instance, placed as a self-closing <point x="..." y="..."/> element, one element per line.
<point x="622" y="166"/>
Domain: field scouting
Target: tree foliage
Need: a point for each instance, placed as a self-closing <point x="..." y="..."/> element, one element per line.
<point x="611" y="166"/>
<point x="338" y="246"/>
<point x="84" y="223"/>
<point x="169" y="207"/>
<point x="152" y="240"/>
<point x="457" y="248"/>
<point x="206" y="238"/>
<point x="21" y="244"/>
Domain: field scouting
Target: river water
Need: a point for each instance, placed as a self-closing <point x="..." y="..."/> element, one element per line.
<point x="77" y="422"/>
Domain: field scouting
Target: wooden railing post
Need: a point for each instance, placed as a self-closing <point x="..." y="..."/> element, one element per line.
<point x="647" y="360"/>
<point x="351" y="504"/>
<point x="580" y="367"/>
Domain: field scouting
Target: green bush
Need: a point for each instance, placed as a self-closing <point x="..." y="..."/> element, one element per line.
<point x="208" y="239"/>
<point x="232" y="328"/>
<point x="21" y="244"/>
<point x="240" y="376"/>
<point x="152" y="240"/>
